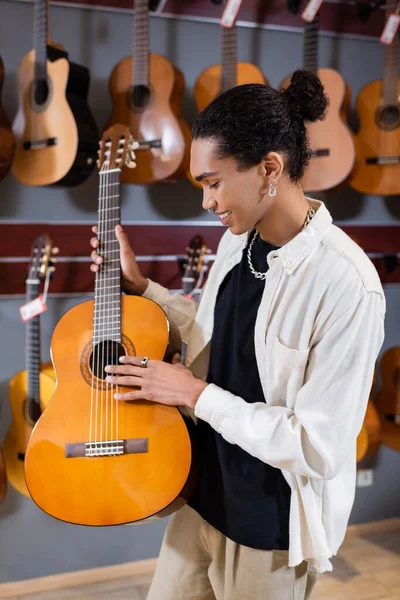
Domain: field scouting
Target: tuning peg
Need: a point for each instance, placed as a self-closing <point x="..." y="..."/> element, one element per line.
<point x="108" y="144"/>
<point x="130" y="164"/>
<point x="134" y="145"/>
<point x="51" y="269"/>
<point x="55" y="250"/>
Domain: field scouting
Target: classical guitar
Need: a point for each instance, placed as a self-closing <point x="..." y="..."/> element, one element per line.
<point x="31" y="389"/>
<point x="7" y="141"/>
<point x="387" y="401"/>
<point x="147" y="93"/>
<point x="331" y="142"/>
<point x="369" y="438"/>
<point x="194" y="266"/>
<point x="91" y="459"/>
<point x="226" y="75"/>
<point x="378" y="139"/>
<point x="56" y="135"/>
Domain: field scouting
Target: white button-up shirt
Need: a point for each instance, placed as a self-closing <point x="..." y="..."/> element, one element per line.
<point x="319" y="329"/>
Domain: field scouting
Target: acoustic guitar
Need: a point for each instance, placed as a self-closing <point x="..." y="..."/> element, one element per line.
<point x="229" y="73"/>
<point x="387" y="400"/>
<point x="31" y="389"/>
<point x="378" y="139"/>
<point x="369" y="438"/>
<point x="194" y="266"/>
<point x="3" y="481"/>
<point x="93" y="460"/>
<point x="331" y="142"/>
<point x="56" y="135"/>
<point x="147" y="92"/>
<point x="7" y="141"/>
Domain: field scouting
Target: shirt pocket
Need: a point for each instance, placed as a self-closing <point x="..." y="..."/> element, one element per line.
<point x="285" y="372"/>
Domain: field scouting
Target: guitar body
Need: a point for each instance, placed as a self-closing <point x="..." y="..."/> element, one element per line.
<point x="19" y="433"/>
<point x="374" y="140"/>
<point x="387" y="401"/>
<point x="65" y="118"/>
<point x="157" y="119"/>
<point x="107" y="490"/>
<point x="331" y="136"/>
<point x="208" y="84"/>
<point x="3" y="481"/>
<point x="7" y="141"/>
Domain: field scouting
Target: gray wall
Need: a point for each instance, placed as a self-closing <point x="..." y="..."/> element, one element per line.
<point x="31" y="543"/>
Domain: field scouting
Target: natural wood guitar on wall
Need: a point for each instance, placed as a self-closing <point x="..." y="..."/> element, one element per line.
<point x="56" y="135"/>
<point x="91" y="459"/>
<point x="147" y="92"/>
<point x="331" y="142"/>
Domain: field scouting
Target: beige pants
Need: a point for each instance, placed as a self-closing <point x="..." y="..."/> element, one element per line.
<point x="197" y="562"/>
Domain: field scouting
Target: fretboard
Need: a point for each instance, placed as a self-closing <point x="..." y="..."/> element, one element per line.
<point x="310" y="45"/>
<point x="32" y="349"/>
<point x="391" y="65"/>
<point x="40" y="39"/>
<point x="107" y="301"/>
<point x="141" y="43"/>
<point x="228" y="56"/>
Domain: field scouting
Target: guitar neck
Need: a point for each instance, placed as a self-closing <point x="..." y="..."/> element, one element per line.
<point x="228" y="56"/>
<point x="107" y="301"/>
<point x="391" y="65"/>
<point x="32" y="358"/>
<point x="40" y="39"/>
<point x="141" y="43"/>
<point x="310" y="46"/>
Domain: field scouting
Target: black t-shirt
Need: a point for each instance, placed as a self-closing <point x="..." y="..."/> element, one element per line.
<point x="245" y="499"/>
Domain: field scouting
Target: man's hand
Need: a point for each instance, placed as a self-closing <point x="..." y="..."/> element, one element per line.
<point x="133" y="282"/>
<point x="170" y="384"/>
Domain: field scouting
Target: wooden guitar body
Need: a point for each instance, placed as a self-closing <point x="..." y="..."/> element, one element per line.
<point x="63" y="128"/>
<point x="374" y="139"/>
<point x="157" y="119"/>
<point x="208" y="84"/>
<point x="152" y="474"/>
<point x="330" y="140"/>
<point x="21" y="428"/>
<point x="369" y="438"/>
<point x="7" y="141"/>
<point x="387" y="401"/>
<point x="3" y="481"/>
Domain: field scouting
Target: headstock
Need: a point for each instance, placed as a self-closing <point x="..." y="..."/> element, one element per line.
<point x="41" y="263"/>
<point x="116" y="149"/>
<point x="194" y="265"/>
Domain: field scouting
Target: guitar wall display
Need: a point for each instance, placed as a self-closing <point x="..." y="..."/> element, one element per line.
<point x="147" y="92"/>
<point x="138" y="456"/>
<point x="378" y="139"/>
<point x="56" y="135"/>
<point x="7" y="141"/>
<point x="331" y="142"/>
<point x="31" y="389"/>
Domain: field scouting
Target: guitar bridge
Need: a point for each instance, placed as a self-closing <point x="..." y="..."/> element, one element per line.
<point x="40" y="144"/>
<point x="383" y="160"/>
<point x="106" y="448"/>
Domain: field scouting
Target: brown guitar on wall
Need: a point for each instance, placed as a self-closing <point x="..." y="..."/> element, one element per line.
<point x="378" y="140"/>
<point x="369" y="438"/>
<point x="147" y="93"/>
<point x="7" y="141"/>
<point x="387" y="400"/>
<point x="91" y="459"/>
<point x="331" y="142"/>
<point x="3" y="481"/>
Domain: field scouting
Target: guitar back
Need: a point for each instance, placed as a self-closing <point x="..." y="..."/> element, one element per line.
<point x="156" y="120"/>
<point x="387" y="400"/>
<point x="330" y="140"/>
<point x="7" y="141"/>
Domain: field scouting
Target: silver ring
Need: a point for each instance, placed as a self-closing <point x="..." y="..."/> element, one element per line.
<point x="144" y="361"/>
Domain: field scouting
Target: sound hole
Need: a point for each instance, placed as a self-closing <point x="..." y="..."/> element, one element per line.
<point x="388" y="117"/>
<point x="103" y="354"/>
<point x="140" y="96"/>
<point x="41" y="92"/>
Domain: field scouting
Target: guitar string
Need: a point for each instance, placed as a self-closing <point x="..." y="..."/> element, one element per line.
<point x="106" y="344"/>
<point x="117" y="204"/>
<point x="100" y="297"/>
<point x="95" y="310"/>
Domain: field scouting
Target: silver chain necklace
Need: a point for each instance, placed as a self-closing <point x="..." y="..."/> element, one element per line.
<point x="258" y="274"/>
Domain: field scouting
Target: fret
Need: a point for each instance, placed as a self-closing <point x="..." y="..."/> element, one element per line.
<point x="310" y="47"/>
<point x="391" y="65"/>
<point x="32" y="345"/>
<point x="40" y="39"/>
<point x="228" y="57"/>
<point x="141" y="44"/>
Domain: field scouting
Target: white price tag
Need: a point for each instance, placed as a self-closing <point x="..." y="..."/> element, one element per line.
<point x="390" y="29"/>
<point x="32" y="309"/>
<point x="230" y="13"/>
<point x="311" y="10"/>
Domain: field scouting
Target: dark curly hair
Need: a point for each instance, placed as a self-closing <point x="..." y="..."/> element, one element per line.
<point x="248" y="121"/>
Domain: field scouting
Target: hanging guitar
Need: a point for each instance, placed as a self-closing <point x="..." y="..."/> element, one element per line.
<point x="3" y="481"/>
<point x="387" y="400"/>
<point x="378" y="139"/>
<point x="369" y="438"/>
<point x="56" y="135"/>
<point x="31" y="389"/>
<point x="7" y="142"/>
<point x="91" y="459"/>
<point x="147" y="93"/>
<point x="194" y="266"/>
<point x="331" y="142"/>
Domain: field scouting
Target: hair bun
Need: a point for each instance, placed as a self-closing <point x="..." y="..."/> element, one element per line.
<point x="306" y="97"/>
